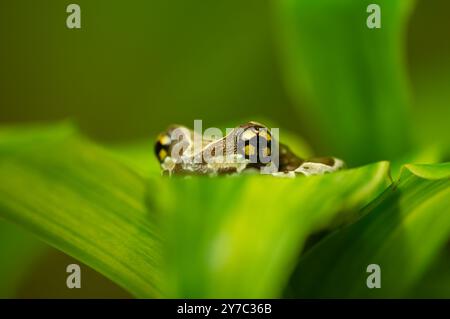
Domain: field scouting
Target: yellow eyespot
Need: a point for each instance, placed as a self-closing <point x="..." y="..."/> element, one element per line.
<point x="249" y="150"/>
<point x="162" y="154"/>
<point x="164" y="139"/>
<point x="266" y="151"/>
<point x="265" y="134"/>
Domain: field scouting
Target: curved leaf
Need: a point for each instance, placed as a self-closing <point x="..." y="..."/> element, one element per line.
<point x="223" y="237"/>
<point x="79" y="199"/>
<point x="240" y="236"/>
<point x="403" y="231"/>
<point x="18" y="251"/>
<point x="348" y="80"/>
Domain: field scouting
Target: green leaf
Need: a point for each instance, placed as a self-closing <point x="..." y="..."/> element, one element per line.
<point x="18" y="251"/>
<point x="427" y="155"/>
<point x="241" y="236"/>
<point x="197" y="237"/>
<point x="14" y="138"/>
<point x="139" y="156"/>
<point x="404" y="231"/>
<point x="81" y="200"/>
<point x="348" y="80"/>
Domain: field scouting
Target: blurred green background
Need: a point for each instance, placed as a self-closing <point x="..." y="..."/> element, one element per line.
<point x="136" y="67"/>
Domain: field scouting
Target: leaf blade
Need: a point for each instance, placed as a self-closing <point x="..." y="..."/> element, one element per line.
<point x="240" y="237"/>
<point x="359" y="110"/>
<point x="394" y="233"/>
<point x="74" y="196"/>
